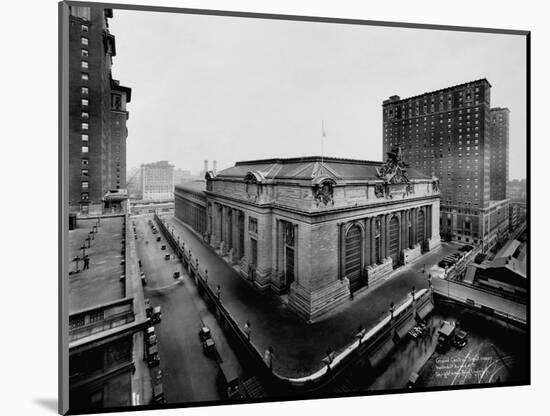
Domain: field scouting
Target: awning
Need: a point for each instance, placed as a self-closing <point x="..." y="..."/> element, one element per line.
<point x="423" y="311"/>
<point x="405" y="327"/>
<point x="376" y="356"/>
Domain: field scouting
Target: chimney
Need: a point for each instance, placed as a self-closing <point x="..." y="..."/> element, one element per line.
<point x="214" y="167"/>
<point x="205" y="166"/>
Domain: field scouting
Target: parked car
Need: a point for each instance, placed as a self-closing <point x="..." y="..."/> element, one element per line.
<point x="461" y="339"/>
<point x="156" y="316"/>
<point x="152" y="340"/>
<point x="153" y="356"/>
<point x="148" y="308"/>
<point x="143" y="280"/>
<point x="163" y="247"/>
<point x="176" y="275"/>
<point x="158" y="238"/>
<point x="158" y="394"/>
<point x="205" y="336"/>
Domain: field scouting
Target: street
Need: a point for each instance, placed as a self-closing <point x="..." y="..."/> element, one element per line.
<point x="298" y="346"/>
<point x="188" y="375"/>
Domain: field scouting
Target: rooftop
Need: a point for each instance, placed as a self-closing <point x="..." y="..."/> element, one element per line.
<point x="396" y="99"/>
<point x="101" y="282"/>
<point x="307" y="168"/>
<point x="198" y="185"/>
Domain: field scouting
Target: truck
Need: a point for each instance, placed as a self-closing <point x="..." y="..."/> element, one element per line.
<point x="445" y="336"/>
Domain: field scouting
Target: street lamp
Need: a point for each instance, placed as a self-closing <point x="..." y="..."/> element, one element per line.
<point x="391" y="310"/>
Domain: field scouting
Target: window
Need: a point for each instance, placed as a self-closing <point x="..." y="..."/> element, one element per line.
<point x="84" y="64"/>
<point x="84" y="40"/>
<point x="84" y="162"/>
<point x="84" y="126"/>
<point x="85" y="53"/>
<point x="96" y="316"/>
<point x="84" y="101"/>
<point x="84" y="196"/>
<point x="84" y="173"/>
<point x="84" y="76"/>
<point x="84" y="28"/>
<point x="84" y="149"/>
<point x="85" y="185"/>
<point x="253" y="225"/>
<point x="84" y="90"/>
<point x="84" y="137"/>
<point x="85" y="115"/>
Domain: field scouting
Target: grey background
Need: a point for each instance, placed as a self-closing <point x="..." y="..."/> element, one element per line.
<point x="233" y="88"/>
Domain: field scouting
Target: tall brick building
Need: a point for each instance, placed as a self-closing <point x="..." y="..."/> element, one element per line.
<point x="97" y="112"/>
<point x="315" y="228"/>
<point x="447" y="134"/>
<point x="500" y="137"/>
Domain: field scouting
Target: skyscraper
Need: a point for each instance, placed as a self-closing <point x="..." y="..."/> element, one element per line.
<point x="97" y="111"/>
<point x="499" y="133"/>
<point x="446" y="133"/>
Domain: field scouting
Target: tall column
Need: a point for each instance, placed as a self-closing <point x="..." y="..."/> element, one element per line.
<point x="383" y="236"/>
<point x="342" y="260"/>
<point x="406" y="229"/>
<point x="222" y="225"/>
<point x="366" y="242"/>
<point x="414" y="220"/>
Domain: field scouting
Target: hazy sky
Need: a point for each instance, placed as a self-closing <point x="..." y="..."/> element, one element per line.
<point x="225" y="88"/>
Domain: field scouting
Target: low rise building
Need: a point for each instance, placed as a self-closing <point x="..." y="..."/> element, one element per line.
<point x="316" y="228"/>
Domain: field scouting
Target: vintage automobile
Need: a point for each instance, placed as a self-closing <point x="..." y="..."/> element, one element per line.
<point x="152" y="340"/>
<point x="228" y="381"/>
<point x="460" y="339"/>
<point x="167" y="257"/>
<point x="153" y="356"/>
<point x="148" y="308"/>
<point x="163" y="247"/>
<point x="445" y="336"/>
<point x="205" y="336"/>
<point x="156" y="316"/>
<point x="158" y="394"/>
<point x="176" y="275"/>
<point x="158" y="238"/>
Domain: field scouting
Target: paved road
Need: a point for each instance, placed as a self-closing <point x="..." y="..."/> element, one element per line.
<point x="188" y="374"/>
<point x="298" y="346"/>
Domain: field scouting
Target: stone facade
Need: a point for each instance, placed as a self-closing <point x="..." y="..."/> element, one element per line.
<point x="318" y="229"/>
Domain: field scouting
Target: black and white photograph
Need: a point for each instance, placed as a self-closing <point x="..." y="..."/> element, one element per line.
<point x="265" y="208"/>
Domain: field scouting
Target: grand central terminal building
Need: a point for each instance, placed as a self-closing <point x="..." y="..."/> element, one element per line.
<point x="318" y="229"/>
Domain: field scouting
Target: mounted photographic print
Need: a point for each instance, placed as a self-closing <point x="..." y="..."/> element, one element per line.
<point x="266" y="208"/>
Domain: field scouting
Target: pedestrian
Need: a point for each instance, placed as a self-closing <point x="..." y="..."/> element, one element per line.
<point x="86" y="263"/>
<point x="140" y="264"/>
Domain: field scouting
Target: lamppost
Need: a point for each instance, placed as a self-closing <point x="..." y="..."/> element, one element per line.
<point x="88" y="239"/>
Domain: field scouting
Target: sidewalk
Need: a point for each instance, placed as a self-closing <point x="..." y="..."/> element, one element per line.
<point x="299" y="347"/>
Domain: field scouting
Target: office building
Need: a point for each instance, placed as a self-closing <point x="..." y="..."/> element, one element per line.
<point x="157" y="181"/>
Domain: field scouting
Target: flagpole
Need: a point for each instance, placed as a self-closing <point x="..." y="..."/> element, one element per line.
<point x="322" y="141"/>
